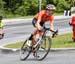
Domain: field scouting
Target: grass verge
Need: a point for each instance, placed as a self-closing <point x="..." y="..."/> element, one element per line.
<point x="61" y="41"/>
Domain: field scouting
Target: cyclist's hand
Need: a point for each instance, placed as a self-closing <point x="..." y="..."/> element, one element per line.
<point x="55" y="33"/>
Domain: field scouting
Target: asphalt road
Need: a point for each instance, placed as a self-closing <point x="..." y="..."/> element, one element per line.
<point x="15" y="30"/>
<point x="21" y="31"/>
<point x="54" y="57"/>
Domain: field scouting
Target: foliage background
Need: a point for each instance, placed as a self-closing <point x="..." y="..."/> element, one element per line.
<point x="30" y="7"/>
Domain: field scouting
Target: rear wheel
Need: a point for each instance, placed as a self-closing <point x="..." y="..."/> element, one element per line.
<point x="43" y="49"/>
<point x="25" y="51"/>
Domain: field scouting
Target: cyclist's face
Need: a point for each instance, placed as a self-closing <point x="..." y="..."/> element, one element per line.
<point x="50" y="12"/>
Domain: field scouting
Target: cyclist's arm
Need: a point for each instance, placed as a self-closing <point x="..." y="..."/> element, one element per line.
<point x="51" y="22"/>
<point x="39" y="15"/>
<point x="39" y="20"/>
<point x="38" y="24"/>
<point x="52" y="25"/>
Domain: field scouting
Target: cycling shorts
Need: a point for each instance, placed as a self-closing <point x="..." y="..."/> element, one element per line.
<point x="34" y="22"/>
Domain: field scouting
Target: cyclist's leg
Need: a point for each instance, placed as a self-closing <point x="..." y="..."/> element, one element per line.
<point x="1" y="33"/>
<point x="35" y="31"/>
<point x="30" y="40"/>
<point x="40" y="32"/>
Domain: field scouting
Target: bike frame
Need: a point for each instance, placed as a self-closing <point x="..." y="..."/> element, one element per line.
<point x="42" y="37"/>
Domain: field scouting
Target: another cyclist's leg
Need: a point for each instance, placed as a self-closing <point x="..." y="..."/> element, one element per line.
<point x="1" y="33"/>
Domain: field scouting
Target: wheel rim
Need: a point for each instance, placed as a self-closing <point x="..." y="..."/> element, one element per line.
<point x="24" y="51"/>
<point x="43" y="50"/>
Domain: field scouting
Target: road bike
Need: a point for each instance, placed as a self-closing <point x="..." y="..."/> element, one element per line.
<point x="39" y="48"/>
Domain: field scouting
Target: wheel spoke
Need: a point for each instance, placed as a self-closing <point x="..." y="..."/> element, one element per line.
<point x="24" y="51"/>
<point x="43" y="49"/>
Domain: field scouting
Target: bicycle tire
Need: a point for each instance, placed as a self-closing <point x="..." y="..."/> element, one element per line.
<point x="24" y="50"/>
<point x="48" y="45"/>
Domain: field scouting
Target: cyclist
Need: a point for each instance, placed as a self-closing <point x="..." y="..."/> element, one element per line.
<point x="39" y="20"/>
<point x="72" y="23"/>
<point x="1" y="28"/>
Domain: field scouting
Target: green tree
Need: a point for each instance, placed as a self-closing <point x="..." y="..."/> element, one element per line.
<point x="28" y="7"/>
<point x="49" y="1"/>
<point x="63" y="5"/>
<point x="2" y="4"/>
<point x="2" y="7"/>
<point x="12" y="5"/>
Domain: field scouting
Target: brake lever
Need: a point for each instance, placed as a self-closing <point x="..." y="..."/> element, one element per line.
<point x="55" y="33"/>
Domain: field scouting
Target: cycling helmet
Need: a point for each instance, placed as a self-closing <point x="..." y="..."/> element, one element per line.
<point x="50" y="7"/>
<point x="1" y="17"/>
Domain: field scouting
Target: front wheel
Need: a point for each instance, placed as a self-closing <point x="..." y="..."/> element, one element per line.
<point x="24" y="51"/>
<point x="43" y="48"/>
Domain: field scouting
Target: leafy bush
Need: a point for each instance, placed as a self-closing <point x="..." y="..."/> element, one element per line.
<point x="63" y="5"/>
<point x="30" y="7"/>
